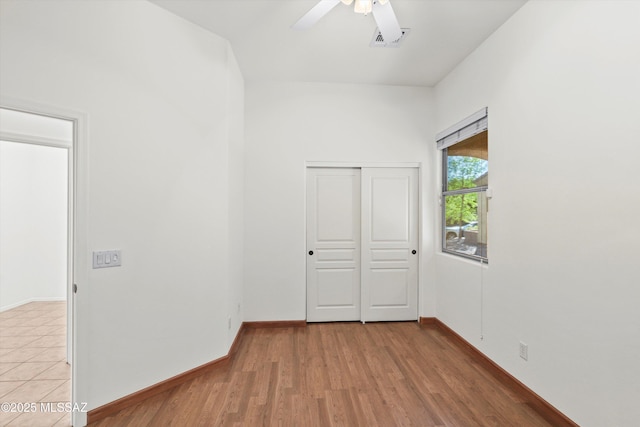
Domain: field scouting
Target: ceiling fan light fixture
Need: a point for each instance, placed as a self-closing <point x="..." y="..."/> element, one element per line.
<point x="363" y="6"/>
<point x="388" y="33"/>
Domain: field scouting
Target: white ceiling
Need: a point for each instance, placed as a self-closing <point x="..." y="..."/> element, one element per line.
<point x="336" y="49"/>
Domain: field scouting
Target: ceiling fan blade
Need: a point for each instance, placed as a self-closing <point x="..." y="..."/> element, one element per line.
<point x="314" y="15"/>
<point x="387" y="22"/>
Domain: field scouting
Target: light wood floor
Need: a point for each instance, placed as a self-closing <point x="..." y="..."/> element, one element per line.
<point x="339" y="374"/>
<point x="33" y="365"/>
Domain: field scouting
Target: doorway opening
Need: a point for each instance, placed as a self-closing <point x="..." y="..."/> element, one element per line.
<point x="36" y="274"/>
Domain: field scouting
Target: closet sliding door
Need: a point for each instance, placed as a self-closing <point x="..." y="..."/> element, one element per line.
<point x="389" y="261"/>
<point x="362" y="241"/>
<point x="333" y="244"/>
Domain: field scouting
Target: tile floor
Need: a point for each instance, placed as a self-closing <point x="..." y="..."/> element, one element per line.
<point x="33" y="365"/>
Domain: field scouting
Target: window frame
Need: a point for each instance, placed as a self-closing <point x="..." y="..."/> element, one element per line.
<point x="454" y="135"/>
<point x="443" y="194"/>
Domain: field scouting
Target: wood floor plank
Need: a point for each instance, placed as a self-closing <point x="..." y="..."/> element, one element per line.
<point x="339" y="374"/>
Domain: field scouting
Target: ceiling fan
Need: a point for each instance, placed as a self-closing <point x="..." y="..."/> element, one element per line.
<point x="381" y="9"/>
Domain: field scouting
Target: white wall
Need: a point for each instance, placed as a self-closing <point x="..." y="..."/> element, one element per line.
<point x="162" y="98"/>
<point x="289" y="124"/>
<point x="561" y="83"/>
<point x="33" y="224"/>
<point x="235" y="231"/>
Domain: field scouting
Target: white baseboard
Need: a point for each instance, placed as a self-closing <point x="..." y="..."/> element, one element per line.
<point x="27" y="301"/>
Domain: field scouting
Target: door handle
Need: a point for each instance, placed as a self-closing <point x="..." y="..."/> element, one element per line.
<point x="413" y="252"/>
<point x="310" y="252"/>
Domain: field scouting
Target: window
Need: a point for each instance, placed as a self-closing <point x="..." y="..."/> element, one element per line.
<point x="465" y="179"/>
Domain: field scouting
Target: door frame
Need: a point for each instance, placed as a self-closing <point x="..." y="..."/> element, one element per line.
<point x="77" y="241"/>
<point x="360" y="165"/>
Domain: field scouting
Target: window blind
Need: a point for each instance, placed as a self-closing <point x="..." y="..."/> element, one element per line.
<point x="466" y="128"/>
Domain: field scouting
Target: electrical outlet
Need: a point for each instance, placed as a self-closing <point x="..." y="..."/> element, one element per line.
<point x="229" y="322"/>
<point x="524" y="351"/>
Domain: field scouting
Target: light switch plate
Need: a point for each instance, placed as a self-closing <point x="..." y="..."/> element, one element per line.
<point x="105" y="259"/>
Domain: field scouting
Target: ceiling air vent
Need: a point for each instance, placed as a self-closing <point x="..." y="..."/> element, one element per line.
<point x="379" y="41"/>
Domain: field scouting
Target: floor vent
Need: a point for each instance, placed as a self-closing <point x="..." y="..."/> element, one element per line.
<point x="378" y="40"/>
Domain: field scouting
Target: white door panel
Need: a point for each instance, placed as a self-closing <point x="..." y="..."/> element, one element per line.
<point x="335" y="287"/>
<point x="337" y="196"/>
<point x="389" y="237"/>
<point x="389" y="287"/>
<point x="389" y="208"/>
<point x="333" y="244"/>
